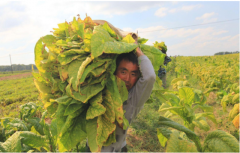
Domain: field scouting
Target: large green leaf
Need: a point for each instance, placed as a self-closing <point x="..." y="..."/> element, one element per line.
<point x="13" y="143"/>
<point x="122" y="89"/>
<point x="96" y="108"/>
<point x="89" y="69"/>
<point x="106" y="122"/>
<point x="67" y="59"/>
<point x="81" y="70"/>
<point x="187" y="95"/>
<point x="87" y="92"/>
<point x="78" y="28"/>
<point x="63" y="73"/>
<point x="116" y="97"/>
<point x="20" y="138"/>
<point x="175" y="144"/>
<point x="111" y="139"/>
<point x="74" y="106"/>
<point x="72" y="72"/>
<point x="39" y="50"/>
<point x="166" y="107"/>
<point x="190" y="134"/>
<point x="73" y="131"/>
<point x="42" y="87"/>
<point x="220" y="141"/>
<point x="102" y="42"/>
<point x="155" y="56"/>
<point x="201" y="123"/>
<point x="111" y="32"/>
<point x="162" y="139"/>
<point x="91" y="128"/>
<point x="158" y="84"/>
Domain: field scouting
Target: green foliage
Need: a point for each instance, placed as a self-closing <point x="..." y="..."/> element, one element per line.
<point x="161" y="46"/>
<point x="216" y="141"/>
<point x="29" y="132"/>
<point x="220" y="141"/>
<point x="76" y="81"/>
<point x="184" y="105"/>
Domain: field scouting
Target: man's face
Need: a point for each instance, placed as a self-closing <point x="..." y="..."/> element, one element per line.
<point x="128" y="72"/>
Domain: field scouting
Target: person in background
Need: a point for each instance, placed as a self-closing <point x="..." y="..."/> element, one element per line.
<point x="162" y="73"/>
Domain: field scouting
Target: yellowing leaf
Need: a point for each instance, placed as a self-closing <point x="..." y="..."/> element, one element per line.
<point x="128" y="39"/>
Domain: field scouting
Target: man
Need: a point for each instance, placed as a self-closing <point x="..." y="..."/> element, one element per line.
<point x="162" y="73"/>
<point x="129" y="67"/>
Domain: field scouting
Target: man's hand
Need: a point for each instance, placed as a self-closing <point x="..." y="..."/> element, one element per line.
<point x="138" y="50"/>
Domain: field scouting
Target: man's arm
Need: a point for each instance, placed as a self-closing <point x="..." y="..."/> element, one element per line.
<point x="143" y="88"/>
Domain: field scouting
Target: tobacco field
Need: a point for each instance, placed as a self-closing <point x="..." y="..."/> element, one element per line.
<point x="75" y="96"/>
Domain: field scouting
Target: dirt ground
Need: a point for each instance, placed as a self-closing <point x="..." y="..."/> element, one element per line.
<point x="17" y="76"/>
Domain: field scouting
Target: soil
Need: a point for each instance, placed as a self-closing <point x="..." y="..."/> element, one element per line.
<point x="17" y="76"/>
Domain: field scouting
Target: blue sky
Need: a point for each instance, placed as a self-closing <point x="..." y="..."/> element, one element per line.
<point x="24" y="22"/>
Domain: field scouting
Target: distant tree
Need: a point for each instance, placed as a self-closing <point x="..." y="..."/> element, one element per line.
<point x="17" y="67"/>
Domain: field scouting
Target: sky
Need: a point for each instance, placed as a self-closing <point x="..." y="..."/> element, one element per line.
<point x="188" y="28"/>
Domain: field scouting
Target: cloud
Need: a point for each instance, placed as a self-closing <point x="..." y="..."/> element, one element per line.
<point x="206" y="16"/>
<point x="191" y="42"/>
<point x="161" y="12"/>
<point x="190" y="7"/>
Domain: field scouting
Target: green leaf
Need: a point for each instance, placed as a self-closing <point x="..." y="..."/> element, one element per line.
<point x="155" y="56"/>
<point x="187" y="95"/>
<point x="88" y="91"/>
<point x="102" y="42"/>
<point x="142" y="40"/>
<point x="111" y="139"/>
<point x="72" y="72"/>
<point x="64" y="100"/>
<point x="81" y="69"/>
<point x="122" y="89"/>
<point x="190" y="134"/>
<point x="116" y="98"/>
<point x="96" y="108"/>
<point x="13" y="143"/>
<point x="234" y="112"/>
<point x="158" y="84"/>
<point x="20" y="138"/>
<point x="220" y="141"/>
<point x="74" y="106"/>
<point x="128" y="39"/>
<point x="42" y="87"/>
<point x="202" y="124"/>
<point x="209" y="115"/>
<point x="72" y="132"/>
<point x="106" y="122"/>
<point x="172" y="98"/>
<point x="162" y="139"/>
<point x="33" y="140"/>
<point x="91" y="128"/>
<point x="175" y="144"/>
<point x="78" y="28"/>
<point x="90" y="68"/>
<point x="110" y="31"/>
<point x="39" y="50"/>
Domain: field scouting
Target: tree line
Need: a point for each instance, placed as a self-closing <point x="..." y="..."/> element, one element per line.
<point x="17" y="67"/>
<point x="223" y="53"/>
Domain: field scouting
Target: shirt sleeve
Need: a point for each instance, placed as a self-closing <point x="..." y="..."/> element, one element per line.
<point x="143" y="88"/>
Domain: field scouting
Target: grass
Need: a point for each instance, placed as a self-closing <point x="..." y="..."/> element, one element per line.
<point x="14" y="93"/>
<point x="9" y="73"/>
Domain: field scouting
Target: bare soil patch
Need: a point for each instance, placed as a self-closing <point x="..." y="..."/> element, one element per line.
<point x="17" y="76"/>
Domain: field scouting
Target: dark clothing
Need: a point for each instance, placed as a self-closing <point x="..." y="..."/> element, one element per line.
<point x="162" y="71"/>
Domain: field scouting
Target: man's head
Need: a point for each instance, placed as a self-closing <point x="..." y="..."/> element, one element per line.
<point x="127" y="69"/>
